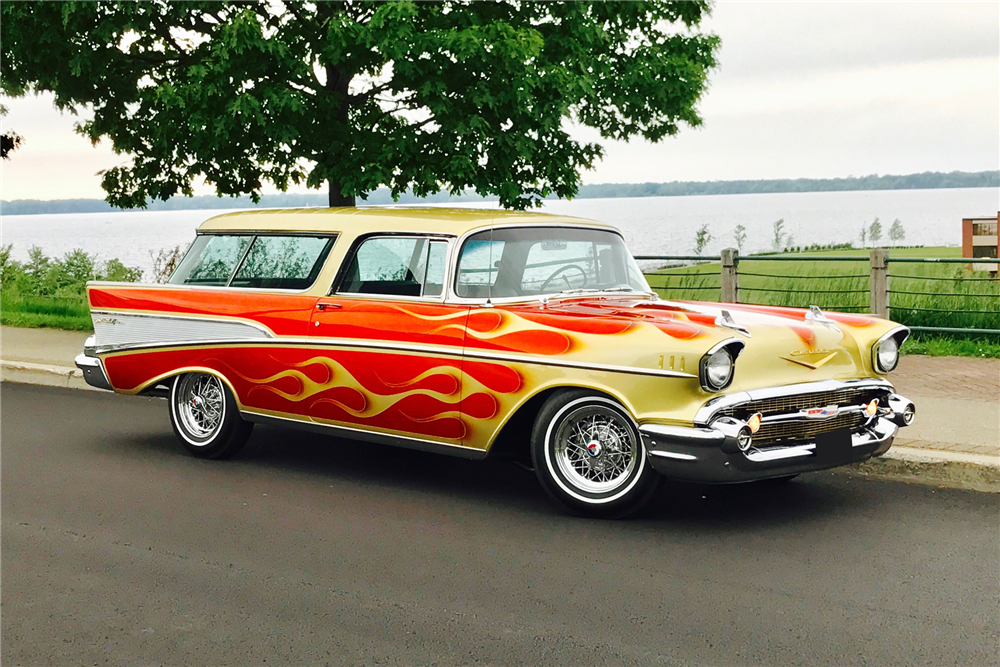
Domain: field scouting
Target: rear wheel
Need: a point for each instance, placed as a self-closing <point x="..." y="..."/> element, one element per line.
<point x="588" y="455"/>
<point x="205" y="417"/>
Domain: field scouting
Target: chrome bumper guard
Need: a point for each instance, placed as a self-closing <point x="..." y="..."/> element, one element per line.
<point x="92" y="368"/>
<point x="716" y="452"/>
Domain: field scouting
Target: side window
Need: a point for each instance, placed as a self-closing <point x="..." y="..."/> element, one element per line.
<point x="437" y="253"/>
<point x="397" y="266"/>
<point x="211" y="260"/>
<point x="283" y="262"/>
<point x="478" y="267"/>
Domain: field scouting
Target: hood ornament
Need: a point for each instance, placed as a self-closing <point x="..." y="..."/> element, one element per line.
<point x="726" y="320"/>
<point x="817" y="316"/>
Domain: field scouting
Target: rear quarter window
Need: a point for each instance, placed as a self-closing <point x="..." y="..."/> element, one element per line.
<point x="282" y="262"/>
<point x="265" y="261"/>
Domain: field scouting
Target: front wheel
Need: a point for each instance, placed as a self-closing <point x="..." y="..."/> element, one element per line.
<point x="205" y="417"/>
<point x="588" y="455"/>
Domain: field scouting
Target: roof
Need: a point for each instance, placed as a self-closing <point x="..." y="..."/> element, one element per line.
<point x="353" y="220"/>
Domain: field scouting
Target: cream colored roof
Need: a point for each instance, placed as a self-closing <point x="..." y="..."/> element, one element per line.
<point x="353" y="221"/>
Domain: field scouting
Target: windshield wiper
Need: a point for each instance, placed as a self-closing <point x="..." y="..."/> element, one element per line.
<point x="580" y="290"/>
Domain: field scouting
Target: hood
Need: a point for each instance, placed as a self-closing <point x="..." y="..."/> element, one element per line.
<point x="782" y="345"/>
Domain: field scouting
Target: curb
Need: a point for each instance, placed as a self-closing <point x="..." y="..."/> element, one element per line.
<point x="909" y="464"/>
<point x="974" y="472"/>
<point x="43" y="374"/>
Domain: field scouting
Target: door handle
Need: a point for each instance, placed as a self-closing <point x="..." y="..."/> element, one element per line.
<point x="324" y="306"/>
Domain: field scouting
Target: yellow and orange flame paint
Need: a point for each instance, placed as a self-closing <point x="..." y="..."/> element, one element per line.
<point x="431" y="387"/>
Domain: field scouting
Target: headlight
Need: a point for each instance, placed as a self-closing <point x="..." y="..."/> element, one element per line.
<point x="717" y="370"/>
<point x="885" y="351"/>
<point x="887" y="354"/>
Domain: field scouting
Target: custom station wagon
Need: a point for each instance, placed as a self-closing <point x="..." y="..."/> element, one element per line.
<point x="471" y="333"/>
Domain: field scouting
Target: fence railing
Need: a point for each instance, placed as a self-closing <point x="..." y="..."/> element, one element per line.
<point x="924" y="298"/>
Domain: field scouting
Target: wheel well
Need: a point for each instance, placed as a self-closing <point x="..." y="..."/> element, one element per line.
<point x="514" y="439"/>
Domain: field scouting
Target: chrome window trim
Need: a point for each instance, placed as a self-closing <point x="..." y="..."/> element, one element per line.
<point x="891" y="333"/>
<point x="709" y="409"/>
<point x="456" y="351"/>
<point x="221" y="288"/>
<point x="453" y="296"/>
<point x="356" y="244"/>
<point x="253" y="234"/>
<point x="239" y="264"/>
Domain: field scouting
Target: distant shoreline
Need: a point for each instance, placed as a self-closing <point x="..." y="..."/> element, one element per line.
<point x="921" y="181"/>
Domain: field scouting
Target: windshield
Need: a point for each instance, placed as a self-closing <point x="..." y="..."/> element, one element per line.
<point x="536" y="261"/>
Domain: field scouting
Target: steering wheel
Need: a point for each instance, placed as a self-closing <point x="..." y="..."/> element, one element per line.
<point x="561" y="270"/>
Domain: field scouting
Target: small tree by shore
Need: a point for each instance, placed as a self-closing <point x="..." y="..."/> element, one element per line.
<point x="778" y="234"/>
<point x="740" y="236"/>
<point x="46" y="276"/>
<point x="701" y="239"/>
<point x="896" y="232"/>
<point x="875" y="231"/>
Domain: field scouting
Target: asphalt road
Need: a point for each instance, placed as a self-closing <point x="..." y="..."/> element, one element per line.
<point x="118" y="548"/>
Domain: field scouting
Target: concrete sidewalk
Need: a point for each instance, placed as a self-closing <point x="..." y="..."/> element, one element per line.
<point x="957" y="398"/>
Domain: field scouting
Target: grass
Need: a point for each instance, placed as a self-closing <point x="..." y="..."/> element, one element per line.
<point x="921" y="294"/>
<point x="940" y="346"/>
<point x="69" y="313"/>
<point x="830" y="285"/>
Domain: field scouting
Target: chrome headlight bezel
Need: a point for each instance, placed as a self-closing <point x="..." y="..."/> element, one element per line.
<point x="894" y="337"/>
<point x="727" y="350"/>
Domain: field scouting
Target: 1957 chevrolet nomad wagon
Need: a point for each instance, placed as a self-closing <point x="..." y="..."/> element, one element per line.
<point x="469" y="332"/>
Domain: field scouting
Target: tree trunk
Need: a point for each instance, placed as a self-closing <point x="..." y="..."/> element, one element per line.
<point x="336" y="198"/>
<point x="338" y="83"/>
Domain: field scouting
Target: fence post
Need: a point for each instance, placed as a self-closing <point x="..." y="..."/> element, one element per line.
<point x="879" y="283"/>
<point x="730" y="276"/>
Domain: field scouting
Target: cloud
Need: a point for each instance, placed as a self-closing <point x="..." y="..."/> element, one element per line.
<point x="768" y="39"/>
<point x="805" y="89"/>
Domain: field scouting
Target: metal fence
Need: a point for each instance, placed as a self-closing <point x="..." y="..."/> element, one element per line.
<point x="913" y="290"/>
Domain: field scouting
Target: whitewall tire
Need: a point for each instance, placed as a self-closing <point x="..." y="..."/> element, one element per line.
<point x="205" y="417"/>
<point x="588" y="455"/>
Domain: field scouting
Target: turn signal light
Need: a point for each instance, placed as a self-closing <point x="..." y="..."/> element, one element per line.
<point x="754" y="423"/>
<point x="872" y="408"/>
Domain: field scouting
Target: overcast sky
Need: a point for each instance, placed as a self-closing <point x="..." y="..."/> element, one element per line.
<point x="804" y="89"/>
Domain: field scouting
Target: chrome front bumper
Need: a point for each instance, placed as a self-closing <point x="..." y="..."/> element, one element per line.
<point x="92" y="368"/>
<point x="713" y="453"/>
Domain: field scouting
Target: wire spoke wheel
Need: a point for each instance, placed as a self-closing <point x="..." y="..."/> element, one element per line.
<point x="200" y="405"/>
<point x="595" y="449"/>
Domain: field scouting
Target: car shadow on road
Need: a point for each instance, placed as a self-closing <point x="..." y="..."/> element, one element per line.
<point x="499" y="482"/>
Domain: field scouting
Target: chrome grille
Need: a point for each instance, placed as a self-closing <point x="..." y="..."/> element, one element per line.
<point x="804" y="429"/>
<point x="807" y="429"/>
<point x="784" y="404"/>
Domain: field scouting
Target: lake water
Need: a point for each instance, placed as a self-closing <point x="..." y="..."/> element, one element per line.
<point x="651" y="225"/>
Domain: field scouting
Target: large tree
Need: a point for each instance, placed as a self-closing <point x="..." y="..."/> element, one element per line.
<point x="354" y="95"/>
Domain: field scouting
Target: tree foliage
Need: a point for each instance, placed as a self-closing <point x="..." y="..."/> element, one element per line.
<point x="419" y="96"/>
<point x="47" y="276"/>
<point x="9" y="140"/>
<point x="702" y="238"/>
<point x="778" y="233"/>
<point x="740" y="236"/>
<point x="896" y="231"/>
<point x="875" y="231"/>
